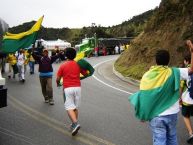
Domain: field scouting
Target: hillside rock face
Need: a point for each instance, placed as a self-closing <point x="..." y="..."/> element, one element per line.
<point x="168" y="28"/>
<point x="3" y="25"/>
<point x="3" y="28"/>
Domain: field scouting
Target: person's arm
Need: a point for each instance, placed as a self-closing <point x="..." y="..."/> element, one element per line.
<point x="59" y="76"/>
<point x="62" y="55"/>
<point x="35" y="56"/>
<point x="182" y="87"/>
<point x="190" y="45"/>
<point x="53" y="58"/>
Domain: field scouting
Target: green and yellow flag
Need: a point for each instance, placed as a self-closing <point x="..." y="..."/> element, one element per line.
<point x="159" y="90"/>
<point x="14" y="42"/>
<point x="84" y="65"/>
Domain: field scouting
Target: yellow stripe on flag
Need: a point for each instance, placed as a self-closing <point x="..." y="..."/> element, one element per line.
<point x="79" y="56"/>
<point x="155" y="77"/>
<point x="35" y="28"/>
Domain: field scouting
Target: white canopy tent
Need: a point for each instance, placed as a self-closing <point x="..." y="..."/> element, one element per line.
<point x="55" y="44"/>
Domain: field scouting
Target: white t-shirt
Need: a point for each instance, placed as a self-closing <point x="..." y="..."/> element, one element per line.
<point x="186" y="96"/>
<point x="176" y="108"/>
<point x="21" y="59"/>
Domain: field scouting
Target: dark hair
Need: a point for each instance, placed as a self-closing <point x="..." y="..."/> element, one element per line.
<point x="162" y="57"/>
<point x="70" y="53"/>
<point x="187" y="58"/>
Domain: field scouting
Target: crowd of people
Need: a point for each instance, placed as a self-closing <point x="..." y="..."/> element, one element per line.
<point x="18" y="62"/>
<point x="103" y="50"/>
<point x="158" y="100"/>
<point x="70" y="73"/>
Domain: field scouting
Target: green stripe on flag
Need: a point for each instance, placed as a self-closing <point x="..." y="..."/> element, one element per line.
<point x="12" y="45"/>
<point x="13" y="42"/>
<point x="150" y="103"/>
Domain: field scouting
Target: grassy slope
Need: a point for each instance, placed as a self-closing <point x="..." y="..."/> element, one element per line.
<point x="140" y="56"/>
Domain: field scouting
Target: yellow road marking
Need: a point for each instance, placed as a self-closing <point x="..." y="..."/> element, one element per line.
<point x="83" y="136"/>
<point x="51" y="125"/>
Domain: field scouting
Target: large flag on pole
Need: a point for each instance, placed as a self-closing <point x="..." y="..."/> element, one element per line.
<point x="159" y="90"/>
<point x="14" y="42"/>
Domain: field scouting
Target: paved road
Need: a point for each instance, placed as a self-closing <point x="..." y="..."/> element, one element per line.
<point x="105" y="114"/>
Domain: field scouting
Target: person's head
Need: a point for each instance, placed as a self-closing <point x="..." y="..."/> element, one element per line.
<point x="45" y="52"/>
<point x="21" y="51"/>
<point x="70" y="53"/>
<point x="187" y="59"/>
<point x="162" y="57"/>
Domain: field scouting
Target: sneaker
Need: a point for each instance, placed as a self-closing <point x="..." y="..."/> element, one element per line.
<point x="76" y="127"/>
<point x="71" y="127"/>
<point x="51" y="102"/>
<point x="46" y="100"/>
<point x="190" y="139"/>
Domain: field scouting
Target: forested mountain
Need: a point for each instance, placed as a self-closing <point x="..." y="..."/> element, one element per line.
<point x="128" y="28"/>
<point x="132" y="27"/>
<point x="47" y="33"/>
<point x="168" y="28"/>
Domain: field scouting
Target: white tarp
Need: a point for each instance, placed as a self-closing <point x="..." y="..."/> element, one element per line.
<point x="55" y="44"/>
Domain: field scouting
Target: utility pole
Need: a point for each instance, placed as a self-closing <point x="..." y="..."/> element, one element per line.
<point x="95" y="41"/>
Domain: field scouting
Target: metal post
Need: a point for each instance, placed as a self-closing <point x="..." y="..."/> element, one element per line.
<point x="95" y="43"/>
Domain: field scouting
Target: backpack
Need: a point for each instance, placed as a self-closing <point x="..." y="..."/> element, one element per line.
<point x="190" y="86"/>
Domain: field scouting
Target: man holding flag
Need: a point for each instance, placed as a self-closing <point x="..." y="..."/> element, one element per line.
<point x="157" y="101"/>
<point x="69" y="72"/>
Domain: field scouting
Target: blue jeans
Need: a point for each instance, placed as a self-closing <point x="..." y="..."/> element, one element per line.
<point x="164" y="130"/>
<point x="31" y="65"/>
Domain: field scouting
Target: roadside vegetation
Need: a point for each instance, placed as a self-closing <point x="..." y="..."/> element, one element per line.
<point x="169" y="27"/>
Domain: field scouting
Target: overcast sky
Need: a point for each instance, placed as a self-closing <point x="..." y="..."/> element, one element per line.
<point x="73" y="13"/>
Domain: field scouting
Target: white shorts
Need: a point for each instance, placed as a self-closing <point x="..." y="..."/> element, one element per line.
<point x="72" y="97"/>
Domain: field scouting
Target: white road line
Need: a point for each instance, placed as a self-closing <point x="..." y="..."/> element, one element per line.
<point x="106" y="83"/>
<point x="16" y="135"/>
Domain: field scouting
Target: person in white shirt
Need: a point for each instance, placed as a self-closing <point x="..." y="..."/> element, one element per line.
<point x="187" y="101"/>
<point x="20" y="65"/>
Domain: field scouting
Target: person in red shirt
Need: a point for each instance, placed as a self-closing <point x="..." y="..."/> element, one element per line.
<point x="70" y="71"/>
<point x="96" y="51"/>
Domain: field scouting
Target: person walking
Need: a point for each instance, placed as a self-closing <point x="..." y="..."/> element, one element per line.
<point x="12" y="60"/>
<point x="45" y="74"/>
<point x="187" y="101"/>
<point x="69" y="72"/>
<point x="96" y="51"/>
<point x="26" y="53"/>
<point x="157" y="101"/>
<point x="31" y="63"/>
<point x="20" y="64"/>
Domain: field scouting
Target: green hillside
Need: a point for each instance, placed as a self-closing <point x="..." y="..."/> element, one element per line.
<point x="168" y="28"/>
